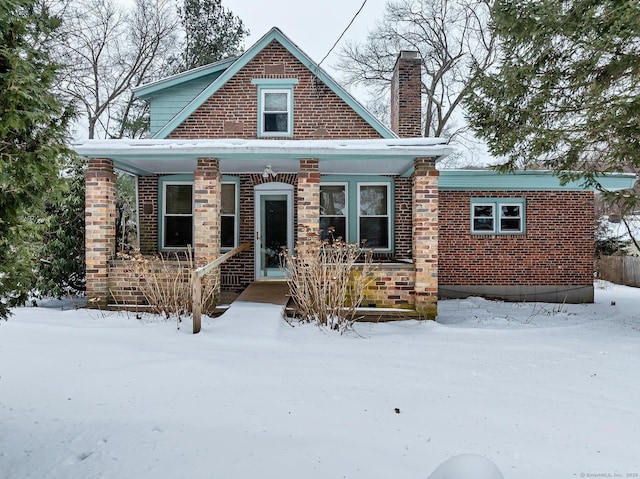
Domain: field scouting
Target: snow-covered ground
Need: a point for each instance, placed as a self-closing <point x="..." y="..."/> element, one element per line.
<point x="543" y="391"/>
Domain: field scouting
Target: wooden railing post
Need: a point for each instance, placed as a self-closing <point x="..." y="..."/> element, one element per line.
<point x="196" y="306"/>
<point x="196" y="283"/>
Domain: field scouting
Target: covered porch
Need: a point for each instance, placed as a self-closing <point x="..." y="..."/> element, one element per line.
<point x="266" y="193"/>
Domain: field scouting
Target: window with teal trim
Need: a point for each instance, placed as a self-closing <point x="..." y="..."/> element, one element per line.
<point x="276" y="112"/>
<point x="374" y="221"/>
<point x="178" y="215"/>
<point x="497" y="216"/>
<point x="228" y="216"/>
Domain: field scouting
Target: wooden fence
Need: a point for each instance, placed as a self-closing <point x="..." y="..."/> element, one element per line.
<point x="619" y="269"/>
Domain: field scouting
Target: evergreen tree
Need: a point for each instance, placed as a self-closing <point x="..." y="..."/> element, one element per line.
<point x="32" y="127"/>
<point x="212" y="32"/>
<point x="566" y="93"/>
<point x="61" y="266"/>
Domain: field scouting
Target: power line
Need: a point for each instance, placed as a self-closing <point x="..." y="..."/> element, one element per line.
<point x="345" y="31"/>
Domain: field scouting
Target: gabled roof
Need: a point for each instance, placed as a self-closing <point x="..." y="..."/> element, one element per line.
<point x="232" y="66"/>
<point x="145" y="91"/>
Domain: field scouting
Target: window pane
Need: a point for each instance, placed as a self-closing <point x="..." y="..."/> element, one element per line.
<point x="374" y="232"/>
<point x="228" y="202"/>
<point x="332" y="200"/>
<point x="373" y="200"/>
<point x="332" y="228"/>
<point x="483" y="224"/>
<point x="510" y="210"/>
<point x="483" y="211"/>
<point x="510" y="224"/>
<point x="178" y="199"/>
<point x="227" y="232"/>
<point x="275" y="122"/>
<point x="275" y="102"/>
<point x="178" y="231"/>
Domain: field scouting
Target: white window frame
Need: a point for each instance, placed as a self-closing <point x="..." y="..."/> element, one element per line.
<point x="289" y="112"/>
<point x="387" y="186"/>
<point x="164" y="214"/>
<point x="496" y="204"/>
<point x="346" y="205"/>
<point x="236" y="215"/>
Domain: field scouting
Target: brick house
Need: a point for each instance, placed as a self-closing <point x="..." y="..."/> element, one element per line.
<point x="261" y="148"/>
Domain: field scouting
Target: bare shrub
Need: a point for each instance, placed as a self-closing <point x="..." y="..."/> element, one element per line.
<point x="323" y="282"/>
<point x="166" y="284"/>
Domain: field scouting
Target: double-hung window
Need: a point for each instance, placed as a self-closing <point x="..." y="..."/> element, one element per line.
<point x="497" y="216"/>
<point x="275" y="106"/>
<point x="333" y="212"/>
<point x="374" y="219"/>
<point x="177" y="214"/>
<point x="276" y="112"/>
<point x="229" y="216"/>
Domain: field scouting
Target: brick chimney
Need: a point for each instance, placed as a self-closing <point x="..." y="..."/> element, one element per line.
<point x="406" y="104"/>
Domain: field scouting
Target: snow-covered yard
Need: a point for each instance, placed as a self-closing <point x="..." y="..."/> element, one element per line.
<point x="544" y="391"/>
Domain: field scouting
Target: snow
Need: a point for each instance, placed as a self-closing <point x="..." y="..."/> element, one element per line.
<point x="538" y="390"/>
<point x="467" y="466"/>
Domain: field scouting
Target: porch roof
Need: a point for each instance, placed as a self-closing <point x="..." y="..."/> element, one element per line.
<point x="375" y="156"/>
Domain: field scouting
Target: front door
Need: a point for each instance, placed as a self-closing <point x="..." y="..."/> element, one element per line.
<point x="273" y="227"/>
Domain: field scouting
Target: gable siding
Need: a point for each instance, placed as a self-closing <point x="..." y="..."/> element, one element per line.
<point x="232" y="111"/>
<point x="557" y="248"/>
<point x="168" y="103"/>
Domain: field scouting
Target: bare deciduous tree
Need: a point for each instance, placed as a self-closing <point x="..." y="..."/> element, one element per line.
<point x="107" y="50"/>
<point x="452" y="38"/>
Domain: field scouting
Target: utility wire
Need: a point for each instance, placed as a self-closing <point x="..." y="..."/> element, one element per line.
<point x="345" y="31"/>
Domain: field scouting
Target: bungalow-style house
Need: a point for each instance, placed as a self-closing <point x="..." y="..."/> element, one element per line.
<point x="262" y="148"/>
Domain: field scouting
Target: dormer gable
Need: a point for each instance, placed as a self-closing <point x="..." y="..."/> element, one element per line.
<point x="281" y="91"/>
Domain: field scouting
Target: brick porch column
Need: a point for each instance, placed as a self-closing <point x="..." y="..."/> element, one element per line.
<point x="308" y="197"/>
<point x="100" y="228"/>
<point x="207" y="191"/>
<point x="425" y="236"/>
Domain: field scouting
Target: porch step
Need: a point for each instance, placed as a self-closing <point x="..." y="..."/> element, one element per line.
<point x="272" y="292"/>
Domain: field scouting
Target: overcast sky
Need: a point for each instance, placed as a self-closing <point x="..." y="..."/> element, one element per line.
<point x="312" y="25"/>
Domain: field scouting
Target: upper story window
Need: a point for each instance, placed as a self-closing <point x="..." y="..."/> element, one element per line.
<point x="276" y="112"/>
<point x="497" y="216"/>
<point x="275" y="106"/>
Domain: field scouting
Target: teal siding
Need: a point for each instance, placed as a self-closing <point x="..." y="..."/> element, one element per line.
<point x="168" y="103"/>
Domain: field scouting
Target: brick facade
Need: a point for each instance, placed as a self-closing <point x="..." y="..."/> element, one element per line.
<point x="148" y="213"/>
<point x="232" y="112"/>
<point x="556" y="251"/>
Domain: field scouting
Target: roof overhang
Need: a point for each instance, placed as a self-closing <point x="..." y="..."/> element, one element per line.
<point x="377" y="156"/>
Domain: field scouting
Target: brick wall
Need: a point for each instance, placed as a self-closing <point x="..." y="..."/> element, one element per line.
<point x="391" y="287"/>
<point x="148" y="213"/>
<point x="406" y="101"/>
<point x="100" y="227"/>
<point x="232" y="111"/>
<point x="557" y="248"/>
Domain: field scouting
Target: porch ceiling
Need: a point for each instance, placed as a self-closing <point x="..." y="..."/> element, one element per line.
<point x="379" y="156"/>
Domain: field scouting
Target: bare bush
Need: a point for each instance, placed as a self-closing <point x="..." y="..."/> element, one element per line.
<point x="167" y="284"/>
<point x="324" y="283"/>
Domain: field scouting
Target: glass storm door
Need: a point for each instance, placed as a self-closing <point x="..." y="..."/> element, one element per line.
<point x="274" y="233"/>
